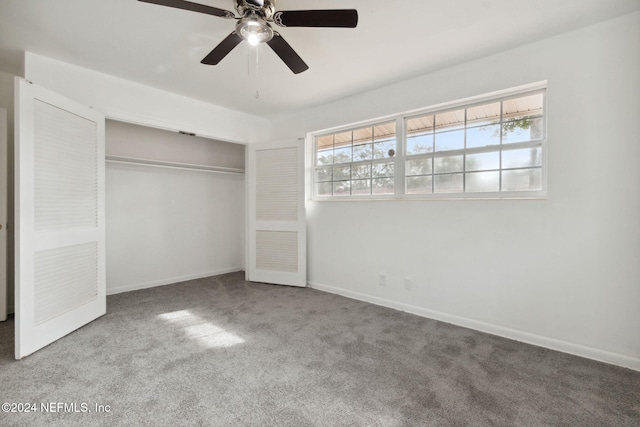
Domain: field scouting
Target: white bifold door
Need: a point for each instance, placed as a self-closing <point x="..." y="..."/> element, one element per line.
<point x="277" y="227"/>
<point x="60" y="217"/>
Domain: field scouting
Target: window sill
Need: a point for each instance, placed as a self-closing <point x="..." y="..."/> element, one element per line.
<point x="525" y="195"/>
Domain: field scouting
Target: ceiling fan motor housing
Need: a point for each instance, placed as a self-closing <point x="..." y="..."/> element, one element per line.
<point x="262" y="8"/>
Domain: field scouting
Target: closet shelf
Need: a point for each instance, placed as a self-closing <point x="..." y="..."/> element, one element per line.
<point x="172" y="165"/>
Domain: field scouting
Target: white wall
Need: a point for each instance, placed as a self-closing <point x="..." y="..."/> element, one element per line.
<point x="132" y="102"/>
<point x="6" y="102"/>
<point x="562" y="272"/>
<point x="166" y="225"/>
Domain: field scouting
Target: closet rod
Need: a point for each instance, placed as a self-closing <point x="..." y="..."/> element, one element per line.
<point x="172" y="165"/>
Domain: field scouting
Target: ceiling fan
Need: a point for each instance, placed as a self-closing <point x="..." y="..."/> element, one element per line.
<point x="254" y="26"/>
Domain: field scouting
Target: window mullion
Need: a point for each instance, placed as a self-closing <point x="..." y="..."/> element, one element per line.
<point x="464" y="155"/>
<point x="399" y="163"/>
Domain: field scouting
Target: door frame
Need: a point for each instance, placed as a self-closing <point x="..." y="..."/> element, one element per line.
<point x="4" y="199"/>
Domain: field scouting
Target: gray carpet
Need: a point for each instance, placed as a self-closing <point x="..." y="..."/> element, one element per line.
<point x="225" y="352"/>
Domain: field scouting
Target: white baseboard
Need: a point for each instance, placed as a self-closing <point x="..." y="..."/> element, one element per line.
<point x="112" y="290"/>
<point x="514" y="334"/>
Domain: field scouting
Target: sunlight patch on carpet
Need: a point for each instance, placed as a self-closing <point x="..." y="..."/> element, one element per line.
<point x="200" y="330"/>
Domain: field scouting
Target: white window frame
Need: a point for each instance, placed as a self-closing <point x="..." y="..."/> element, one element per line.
<point x="401" y="144"/>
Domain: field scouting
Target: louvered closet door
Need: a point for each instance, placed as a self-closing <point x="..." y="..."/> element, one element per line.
<point x="60" y="224"/>
<point x="277" y="228"/>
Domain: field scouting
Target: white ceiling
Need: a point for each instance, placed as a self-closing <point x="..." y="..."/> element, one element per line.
<point x="162" y="47"/>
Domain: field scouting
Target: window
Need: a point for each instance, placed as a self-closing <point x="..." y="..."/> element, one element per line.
<point x="358" y="162"/>
<point x="488" y="148"/>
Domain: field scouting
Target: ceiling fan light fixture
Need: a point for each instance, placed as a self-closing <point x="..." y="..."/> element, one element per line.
<point x="254" y="30"/>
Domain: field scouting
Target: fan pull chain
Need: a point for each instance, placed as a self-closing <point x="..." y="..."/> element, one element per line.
<point x="257" y="70"/>
<point x="251" y="70"/>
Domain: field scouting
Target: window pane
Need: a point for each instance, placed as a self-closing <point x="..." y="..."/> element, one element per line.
<point x="418" y="167"/>
<point x="384" y="131"/>
<point x="383" y="186"/>
<point x="381" y="149"/>
<point x="419" y="185"/>
<point x="342" y="173"/>
<point x="363" y="136"/>
<point x="450" y="120"/>
<point x="450" y="140"/>
<point x="323" y="174"/>
<point x="448" y="183"/>
<point x="521" y="131"/>
<point x="361" y="186"/>
<point x="324" y="189"/>
<point x="523" y="107"/>
<point x="383" y="169"/>
<point x="324" y="142"/>
<point x="483" y="161"/>
<point x="342" y="155"/>
<point x="448" y="164"/>
<point x="483" y="136"/>
<point x="361" y="152"/>
<point x="324" y="157"/>
<point x="522" y="158"/>
<point x="342" y="188"/>
<point x="361" y="171"/>
<point x="342" y="139"/>
<point x="522" y="180"/>
<point x="483" y="182"/>
<point x="420" y="144"/>
<point x="420" y="125"/>
<point x="483" y="114"/>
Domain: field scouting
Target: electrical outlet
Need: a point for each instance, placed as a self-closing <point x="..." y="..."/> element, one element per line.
<point x="407" y="283"/>
<point x="383" y="279"/>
